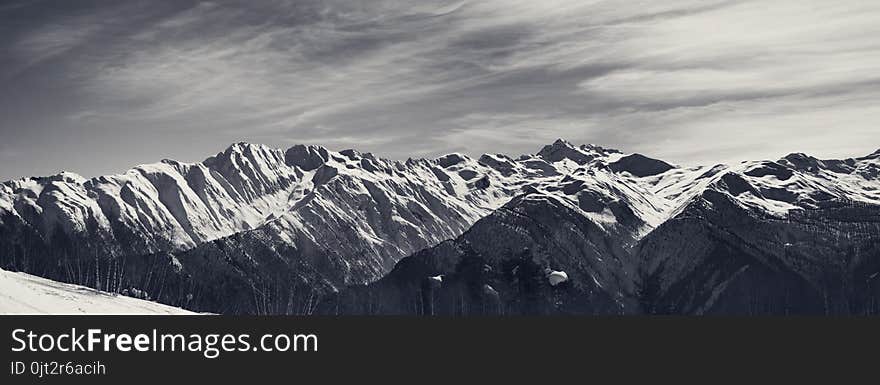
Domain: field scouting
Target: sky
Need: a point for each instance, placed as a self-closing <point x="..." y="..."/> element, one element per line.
<point x="96" y="87"/>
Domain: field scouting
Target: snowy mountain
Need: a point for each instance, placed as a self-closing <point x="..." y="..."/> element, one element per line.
<point x="166" y="205"/>
<point x="796" y="236"/>
<point x="260" y="230"/>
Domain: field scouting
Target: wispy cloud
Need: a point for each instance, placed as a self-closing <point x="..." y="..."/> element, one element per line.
<point x="692" y="81"/>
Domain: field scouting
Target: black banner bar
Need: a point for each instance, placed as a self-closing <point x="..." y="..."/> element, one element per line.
<point x="376" y="348"/>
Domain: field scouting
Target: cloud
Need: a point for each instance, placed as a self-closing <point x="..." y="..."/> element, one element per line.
<point x="692" y="81"/>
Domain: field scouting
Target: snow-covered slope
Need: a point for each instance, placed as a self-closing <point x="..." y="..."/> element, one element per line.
<point x="22" y="293"/>
<point x="166" y="205"/>
<point x="795" y="182"/>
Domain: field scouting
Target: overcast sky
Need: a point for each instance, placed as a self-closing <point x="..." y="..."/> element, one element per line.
<point x="99" y="86"/>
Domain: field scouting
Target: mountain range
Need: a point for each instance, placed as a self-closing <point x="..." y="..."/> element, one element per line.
<point x="571" y="229"/>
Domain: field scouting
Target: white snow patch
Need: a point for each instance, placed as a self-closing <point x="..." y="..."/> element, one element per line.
<point x="557" y="277"/>
<point x="605" y="219"/>
<point x="438" y="279"/>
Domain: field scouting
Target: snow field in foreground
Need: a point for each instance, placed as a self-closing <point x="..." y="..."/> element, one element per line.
<point x="22" y="293"/>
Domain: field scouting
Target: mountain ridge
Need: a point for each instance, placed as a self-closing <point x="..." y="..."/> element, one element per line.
<point x="253" y="219"/>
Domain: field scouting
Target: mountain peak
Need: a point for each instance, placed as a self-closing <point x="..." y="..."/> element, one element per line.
<point x="640" y="165"/>
<point x="241" y="153"/>
<point x="562" y="149"/>
<point x="801" y="161"/>
<point x="306" y="157"/>
<point x="452" y="159"/>
<point x="67" y="176"/>
<point x="562" y="142"/>
<point x="241" y="147"/>
<point x="599" y="149"/>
